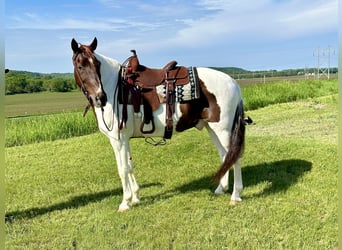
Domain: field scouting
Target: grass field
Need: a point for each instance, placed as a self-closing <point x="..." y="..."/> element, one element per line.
<point x="37" y="126"/>
<point x="33" y="129"/>
<point x="46" y="116"/>
<point x="43" y="103"/>
<point x="260" y="95"/>
<point x="61" y="196"/>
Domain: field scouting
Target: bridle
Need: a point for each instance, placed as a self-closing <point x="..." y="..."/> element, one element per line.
<point x="82" y="87"/>
<point x="97" y="65"/>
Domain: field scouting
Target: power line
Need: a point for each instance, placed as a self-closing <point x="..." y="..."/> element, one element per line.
<point x="323" y="61"/>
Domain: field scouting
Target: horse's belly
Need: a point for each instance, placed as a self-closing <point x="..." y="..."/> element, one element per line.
<point x="159" y="119"/>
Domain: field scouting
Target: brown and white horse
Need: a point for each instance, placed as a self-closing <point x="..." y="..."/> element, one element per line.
<point x="98" y="76"/>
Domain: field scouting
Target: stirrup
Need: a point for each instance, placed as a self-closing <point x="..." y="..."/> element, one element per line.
<point x="147" y="131"/>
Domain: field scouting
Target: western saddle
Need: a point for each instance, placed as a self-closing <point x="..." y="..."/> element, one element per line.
<point x="140" y="82"/>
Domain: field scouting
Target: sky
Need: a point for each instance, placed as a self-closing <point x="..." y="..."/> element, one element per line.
<point x="253" y="35"/>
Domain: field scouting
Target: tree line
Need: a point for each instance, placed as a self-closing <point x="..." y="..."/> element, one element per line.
<point x="18" y="82"/>
<point x="238" y="73"/>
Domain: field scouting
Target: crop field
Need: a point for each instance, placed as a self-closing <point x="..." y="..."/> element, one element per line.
<point x="62" y="191"/>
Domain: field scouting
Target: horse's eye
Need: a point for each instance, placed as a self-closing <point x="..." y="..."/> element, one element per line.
<point x="80" y="67"/>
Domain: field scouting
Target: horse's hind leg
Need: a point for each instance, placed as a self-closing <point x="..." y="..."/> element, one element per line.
<point x="221" y="141"/>
<point x="237" y="189"/>
<point x="223" y="185"/>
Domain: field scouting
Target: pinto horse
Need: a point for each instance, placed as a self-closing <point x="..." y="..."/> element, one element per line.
<point x="99" y="77"/>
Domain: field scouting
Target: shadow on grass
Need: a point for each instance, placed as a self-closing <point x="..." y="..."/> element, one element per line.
<point x="73" y="203"/>
<point x="278" y="175"/>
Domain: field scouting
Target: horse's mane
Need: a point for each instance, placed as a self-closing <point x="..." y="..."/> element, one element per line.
<point x="109" y="67"/>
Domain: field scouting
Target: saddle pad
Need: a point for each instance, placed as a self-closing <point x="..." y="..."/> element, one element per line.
<point x="186" y="92"/>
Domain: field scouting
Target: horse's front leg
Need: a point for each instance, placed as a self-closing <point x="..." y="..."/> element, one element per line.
<point x="132" y="180"/>
<point x="121" y="150"/>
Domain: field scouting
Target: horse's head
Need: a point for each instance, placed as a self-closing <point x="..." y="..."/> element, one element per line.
<point x="87" y="73"/>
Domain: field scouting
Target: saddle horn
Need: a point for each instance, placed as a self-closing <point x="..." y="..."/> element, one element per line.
<point x="133" y="61"/>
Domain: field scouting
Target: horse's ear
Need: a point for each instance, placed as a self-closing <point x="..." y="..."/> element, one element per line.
<point x="93" y="44"/>
<point x="74" y="45"/>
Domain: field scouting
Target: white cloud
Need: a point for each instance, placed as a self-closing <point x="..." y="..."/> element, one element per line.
<point x="269" y="19"/>
<point x="98" y="23"/>
<point x="319" y="16"/>
<point x="168" y="28"/>
<point x="110" y="3"/>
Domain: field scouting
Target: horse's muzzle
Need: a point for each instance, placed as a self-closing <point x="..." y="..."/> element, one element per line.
<point x="100" y="99"/>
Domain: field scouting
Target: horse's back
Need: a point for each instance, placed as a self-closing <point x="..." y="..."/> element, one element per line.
<point x="224" y="87"/>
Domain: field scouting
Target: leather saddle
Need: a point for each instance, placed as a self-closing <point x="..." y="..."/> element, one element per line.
<point x="141" y="82"/>
<point x="146" y="77"/>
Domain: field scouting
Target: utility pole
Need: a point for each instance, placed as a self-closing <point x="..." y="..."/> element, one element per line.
<point x="323" y="61"/>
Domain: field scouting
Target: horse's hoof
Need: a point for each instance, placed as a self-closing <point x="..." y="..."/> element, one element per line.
<point x="234" y="202"/>
<point x="219" y="190"/>
<point x="123" y="208"/>
<point x="135" y="201"/>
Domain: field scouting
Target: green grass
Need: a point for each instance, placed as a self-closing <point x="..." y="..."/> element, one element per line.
<point x="26" y="130"/>
<point x="260" y="95"/>
<point x="35" y="128"/>
<point x="46" y="116"/>
<point x="64" y="194"/>
<point x="43" y="103"/>
<point x="315" y="118"/>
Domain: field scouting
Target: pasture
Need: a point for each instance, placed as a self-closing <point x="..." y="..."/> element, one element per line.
<point x="43" y="103"/>
<point x="59" y="195"/>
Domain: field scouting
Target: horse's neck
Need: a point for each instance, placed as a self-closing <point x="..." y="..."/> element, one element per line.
<point x="109" y="69"/>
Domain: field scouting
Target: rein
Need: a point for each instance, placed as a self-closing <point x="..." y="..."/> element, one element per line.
<point x="153" y="142"/>
<point x="114" y="104"/>
<point x="85" y="92"/>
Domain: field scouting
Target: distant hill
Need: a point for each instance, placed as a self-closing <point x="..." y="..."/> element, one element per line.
<point x="40" y="75"/>
<point x="27" y="82"/>
<point x="242" y="73"/>
<point x="231" y="70"/>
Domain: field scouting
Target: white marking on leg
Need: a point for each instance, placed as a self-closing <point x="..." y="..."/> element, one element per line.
<point x="223" y="185"/>
<point x="133" y="183"/>
<point x="221" y="146"/>
<point x="120" y="150"/>
<point x="238" y="186"/>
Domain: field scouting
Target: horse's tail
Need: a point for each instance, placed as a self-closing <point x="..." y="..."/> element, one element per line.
<point x="236" y="142"/>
